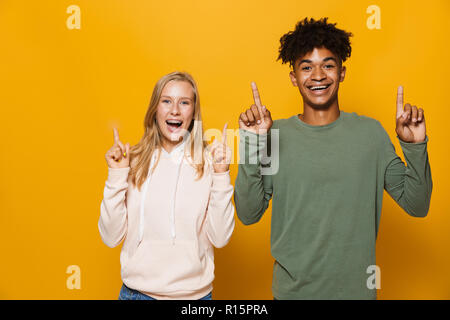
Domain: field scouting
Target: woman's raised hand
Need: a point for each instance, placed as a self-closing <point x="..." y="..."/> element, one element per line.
<point x="221" y="153"/>
<point x="119" y="155"/>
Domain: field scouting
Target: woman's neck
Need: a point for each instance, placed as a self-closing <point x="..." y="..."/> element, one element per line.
<point x="169" y="146"/>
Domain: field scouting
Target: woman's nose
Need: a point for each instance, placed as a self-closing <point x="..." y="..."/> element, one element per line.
<point x="175" y="109"/>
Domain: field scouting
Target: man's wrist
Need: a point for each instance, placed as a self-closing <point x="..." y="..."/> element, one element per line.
<point x="412" y="142"/>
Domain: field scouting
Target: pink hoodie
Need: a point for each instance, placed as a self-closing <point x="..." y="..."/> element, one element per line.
<point x="170" y="226"/>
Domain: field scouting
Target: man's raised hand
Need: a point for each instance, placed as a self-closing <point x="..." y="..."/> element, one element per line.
<point x="118" y="156"/>
<point x="410" y="126"/>
<point x="257" y="118"/>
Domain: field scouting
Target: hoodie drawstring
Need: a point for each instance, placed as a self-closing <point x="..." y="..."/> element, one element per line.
<point x="144" y="192"/>
<point x="172" y="217"/>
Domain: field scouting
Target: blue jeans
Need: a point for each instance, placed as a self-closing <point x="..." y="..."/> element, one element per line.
<point x="131" y="294"/>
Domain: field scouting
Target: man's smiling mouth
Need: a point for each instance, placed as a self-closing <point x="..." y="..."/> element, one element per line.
<point x="320" y="88"/>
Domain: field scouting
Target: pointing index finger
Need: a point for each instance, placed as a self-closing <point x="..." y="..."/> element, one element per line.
<point x="224" y="134"/>
<point x="256" y="97"/>
<point x="399" y="101"/>
<point x="116" y="136"/>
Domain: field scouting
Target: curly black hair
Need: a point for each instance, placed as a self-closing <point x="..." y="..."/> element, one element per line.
<point x="310" y="34"/>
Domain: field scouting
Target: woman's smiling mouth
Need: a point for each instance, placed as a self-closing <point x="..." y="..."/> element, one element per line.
<point x="173" y="125"/>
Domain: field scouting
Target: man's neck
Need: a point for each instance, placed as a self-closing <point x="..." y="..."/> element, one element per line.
<point x="319" y="117"/>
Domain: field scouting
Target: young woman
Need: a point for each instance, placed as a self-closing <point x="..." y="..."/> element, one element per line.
<point x="168" y="198"/>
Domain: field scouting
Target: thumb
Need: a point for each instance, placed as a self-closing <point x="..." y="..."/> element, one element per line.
<point x="266" y="112"/>
<point x="260" y="112"/>
<point x="127" y="151"/>
<point x="402" y="119"/>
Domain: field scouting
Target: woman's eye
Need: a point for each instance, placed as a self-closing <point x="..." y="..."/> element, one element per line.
<point x="185" y="102"/>
<point x="165" y="101"/>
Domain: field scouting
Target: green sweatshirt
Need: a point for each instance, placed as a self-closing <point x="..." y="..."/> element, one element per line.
<point x="327" y="197"/>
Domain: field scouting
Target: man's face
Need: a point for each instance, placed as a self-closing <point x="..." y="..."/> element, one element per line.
<point x="317" y="75"/>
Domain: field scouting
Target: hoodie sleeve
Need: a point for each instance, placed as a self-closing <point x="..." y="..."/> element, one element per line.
<point x="113" y="211"/>
<point x="220" y="211"/>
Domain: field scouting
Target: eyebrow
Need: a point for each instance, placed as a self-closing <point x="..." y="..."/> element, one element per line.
<point x="324" y="60"/>
<point x="180" y="97"/>
<point x="329" y="58"/>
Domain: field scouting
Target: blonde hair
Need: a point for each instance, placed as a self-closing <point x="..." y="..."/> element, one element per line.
<point x="151" y="141"/>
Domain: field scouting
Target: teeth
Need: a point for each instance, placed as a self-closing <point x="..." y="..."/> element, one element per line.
<point x="319" y="87"/>
<point x="173" y="122"/>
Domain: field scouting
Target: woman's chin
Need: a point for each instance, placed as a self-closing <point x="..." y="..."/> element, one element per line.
<point x="174" y="137"/>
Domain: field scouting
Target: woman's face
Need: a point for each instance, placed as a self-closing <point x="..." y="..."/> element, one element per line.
<point x="175" y="112"/>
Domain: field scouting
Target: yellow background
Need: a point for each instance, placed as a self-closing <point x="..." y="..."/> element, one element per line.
<point x="62" y="91"/>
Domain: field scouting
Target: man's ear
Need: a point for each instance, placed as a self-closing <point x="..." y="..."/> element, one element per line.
<point x="293" y="79"/>
<point x="342" y="75"/>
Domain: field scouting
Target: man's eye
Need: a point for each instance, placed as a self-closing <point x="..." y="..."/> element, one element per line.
<point x="306" y="68"/>
<point x="329" y="66"/>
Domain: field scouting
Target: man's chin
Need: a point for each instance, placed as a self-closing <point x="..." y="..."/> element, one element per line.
<point x="320" y="105"/>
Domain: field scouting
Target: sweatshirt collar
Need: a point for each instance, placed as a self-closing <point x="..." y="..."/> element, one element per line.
<point x="179" y="148"/>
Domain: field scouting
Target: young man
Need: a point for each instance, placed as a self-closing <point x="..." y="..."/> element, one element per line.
<point x="333" y="166"/>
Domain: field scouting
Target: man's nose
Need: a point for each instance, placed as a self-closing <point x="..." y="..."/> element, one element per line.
<point x="318" y="74"/>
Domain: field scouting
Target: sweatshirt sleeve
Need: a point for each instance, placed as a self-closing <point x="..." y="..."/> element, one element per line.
<point x="411" y="185"/>
<point x="220" y="211"/>
<point x="253" y="190"/>
<point x="113" y="211"/>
